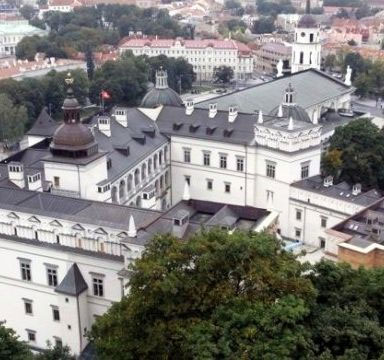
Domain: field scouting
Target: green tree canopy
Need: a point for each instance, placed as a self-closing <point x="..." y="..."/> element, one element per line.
<point x="264" y="25"/>
<point x="223" y="74"/>
<point x="10" y="345"/>
<point x="216" y="296"/>
<point x="356" y="154"/>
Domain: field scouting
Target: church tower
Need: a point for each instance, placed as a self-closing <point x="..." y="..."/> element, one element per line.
<point x="306" y="49"/>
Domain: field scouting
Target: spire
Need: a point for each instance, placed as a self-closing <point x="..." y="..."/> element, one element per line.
<point x="290" y="124"/>
<point x="260" y="118"/>
<point x="186" y="194"/>
<point x="161" y="79"/>
<point x="132" y="232"/>
<point x="308" y="7"/>
<point x="71" y="106"/>
<point x="280" y="112"/>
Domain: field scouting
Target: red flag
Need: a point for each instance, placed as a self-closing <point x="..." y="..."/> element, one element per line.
<point x="105" y="95"/>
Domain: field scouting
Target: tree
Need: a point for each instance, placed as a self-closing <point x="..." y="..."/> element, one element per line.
<point x="356" y="62"/>
<point x="330" y="61"/>
<point x="10" y="345"/>
<point x="342" y="14"/>
<point x="27" y="47"/>
<point x="360" y="147"/>
<point x="12" y="120"/>
<point x="216" y="296"/>
<point x="223" y="74"/>
<point x="90" y="62"/>
<point x="57" y="352"/>
<point x="352" y="42"/>
<point x="27" y="11"/>
<point x="264" y="25"/>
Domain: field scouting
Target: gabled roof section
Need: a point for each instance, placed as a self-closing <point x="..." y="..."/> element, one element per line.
<point x="73" y="283"/>
<point x="44" y="125"/>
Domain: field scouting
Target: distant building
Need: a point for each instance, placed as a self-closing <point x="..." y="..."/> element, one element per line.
<point x="204" y="55"/>
<point x="63" y="5"/>
<point x="288" y="22"/>
<point x="301" y="4"/>
<point x="270" y="54"/>
<point x="13" y="31"/>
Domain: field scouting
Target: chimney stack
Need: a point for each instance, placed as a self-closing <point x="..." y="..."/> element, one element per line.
<point x="121" y="116"/>
<point x="328" y="181"/>
<point x="189" y="107"/>
<point x="212" y="110"/>
<point x="356" y="189"/>
<point x="16" y="174"/>
<point x="232" y="113"/>
<point x="104" y="124"/>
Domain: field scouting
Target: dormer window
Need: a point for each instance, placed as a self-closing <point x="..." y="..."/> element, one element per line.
<point x="15" y="168"/>
<point x="104" y="188"/>
<point x="34" y="178"/>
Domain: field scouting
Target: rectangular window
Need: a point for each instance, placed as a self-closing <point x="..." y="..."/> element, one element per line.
<point x="227" y="187"/>
<point x="55" y="313"/>
<point x="187" y="155"/>
<point x="240" y="164"/>
<point x="223" y="161"/>
<point x="25" y="267"/>
<point x="304" y="171"/>
<point x="269" y="196"/>
<point x="56" y="181"/>
<point x="58" y="342"/>
<point x="209" y="184"/>
<point x="298" y="234"/>
<point x="187" y="179"/>
<point x="52" y="276"/>
<point x="31" y="335"/>
<point x="207" y="159"/>
<point x="298" y="215"/>
<point x="322" y="242"/>
<point x="28" y="306"/>
<point x="323" y="222"/>
<point x="271" y="170"/>
<point x="98" y="287"/>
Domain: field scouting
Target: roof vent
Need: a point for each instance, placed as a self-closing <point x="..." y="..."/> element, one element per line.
<point x="328" y="181"/>
<point x="212" y="110"/>
<point x="356" y="189"/>
<point x="193" y="127"/>
<point x="228" y="132"/>
<point x="140" y="138"/>
<point x="210" y="130"/>
<point x="177" y="126"/>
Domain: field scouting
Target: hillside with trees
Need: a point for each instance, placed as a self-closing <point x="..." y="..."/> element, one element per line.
<point x="241" y="296"/>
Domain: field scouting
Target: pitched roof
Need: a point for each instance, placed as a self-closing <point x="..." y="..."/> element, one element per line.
<point x="44" y="125"/>
<point x="269" y="95"/>
<point x="73" y="283"/>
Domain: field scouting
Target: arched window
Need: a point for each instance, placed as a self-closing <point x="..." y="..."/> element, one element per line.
<point x="122" y="190"/>
<point x="301" y="57"/>
<point x="155" y="162"/>
<point x="160" y="157"/>
<point x="149" y="166"/>
<point x="129" y="182"/>
<point x="165" y="154"/>
<point x="143" y="171"/>
<point x="114" y="195"/>
<point x="138" y="201"/>
<point x="161" y="182"/>
<point x="137" y="177"/>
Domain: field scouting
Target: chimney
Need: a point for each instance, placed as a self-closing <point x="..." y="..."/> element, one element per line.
<point x="121" y="116"/>
<point x="356" y="189"/>
<point x="132" y="232"/>
<point x="104" y="125"/>
<point x="290" y="124"/>
<point x="328" y="181"/>
<point x="232" y="113"/>
<point x="260" y="118"/>
<point x="34" y="182"/>
<point x="212" y="110"/>
<point x="189" y="107"/>
<point x="180" y="223"/>
<point x="16" y="174"/>
<point x="280" y="112"/>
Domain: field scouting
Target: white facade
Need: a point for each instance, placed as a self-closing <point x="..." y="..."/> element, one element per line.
<point x="203" y="55"/>
<point x="306" y="49"/>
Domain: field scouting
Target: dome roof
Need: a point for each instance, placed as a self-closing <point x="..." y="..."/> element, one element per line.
<point x="155" y="97"/>
<point x="307" y="21"/>
<point x="74" y="136"/>
<point x="294" y="111"/>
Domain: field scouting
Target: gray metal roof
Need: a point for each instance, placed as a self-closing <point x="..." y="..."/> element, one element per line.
<point x="340" y="191"/>
<point x="311" y="87"/>
<point x="44" y="125"/>
<point x="73" y="283"/>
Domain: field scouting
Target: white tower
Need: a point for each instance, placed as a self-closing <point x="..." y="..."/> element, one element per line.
<point x="306" y="49"/>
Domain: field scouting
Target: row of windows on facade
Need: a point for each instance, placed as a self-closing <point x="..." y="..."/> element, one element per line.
<point x="223" y="162"/>
<point x="323" y="219"/>
<point x="181" y="52"/>
<point x="209" y="182"/>
<point x="31" y="335"/>
<point x="52" y="278"/>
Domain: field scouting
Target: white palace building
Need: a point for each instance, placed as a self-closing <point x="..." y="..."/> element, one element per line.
<point x="83" y="200"/>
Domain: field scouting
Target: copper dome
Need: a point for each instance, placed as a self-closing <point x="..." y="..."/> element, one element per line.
<point x="307" y="21"/>
<point x="74" y="136"/>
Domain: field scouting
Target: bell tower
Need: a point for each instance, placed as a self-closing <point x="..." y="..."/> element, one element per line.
<point x="306" y="49"/>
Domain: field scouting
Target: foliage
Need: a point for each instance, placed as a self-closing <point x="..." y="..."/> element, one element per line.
<point x="57" y="352"/>
<point x="217" y="296"/>
<point x="10" y="346"/>
<point x="356" y="154"/>
<point x="27" y="11"/>
<point x="273" y="8"/>
<point x="180" y="72"/>
<point x="90" y="62"/>
<point x="330" y="61"/>
<point x="342" y="14"/>
<point x="264" y="25"/>
<point x="125" y="80"/>
<point x="352" y="42"/>
<point x="341" y="3"/>
<point x="12" y="120"/>
<point x="223" y="74"/>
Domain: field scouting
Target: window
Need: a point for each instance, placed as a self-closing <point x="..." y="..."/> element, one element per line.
<point x="58" y="342"/>
<point x="25" y="267"/>
<point x="56" y="181"/>
<point x="187" y="179"/>
<point x="31" y="335"/>
<point x="52" y="276"/>
<point x="304" y="170"/>
<point x="323" y="222"/>
<point x="227" y="187"/>
<point x="28" y="307"/>
<point x="311" y="38"/>
<point x="301" y="57"/>
<point x="298" y="233"/>
<point x="298" y="215"/>
<point x="269" y="196"/>
<point x="98" y="287"/>
<point x="207" y="159"/>
<point x="223" y="161"/>
<point x="209" y="184"/>
<point x="55" y="313"/>
<point x="240" y="164"/>
<point x="271" y="170"/>
<point x="187" y="155"/>
<point x="322" y="242"/>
